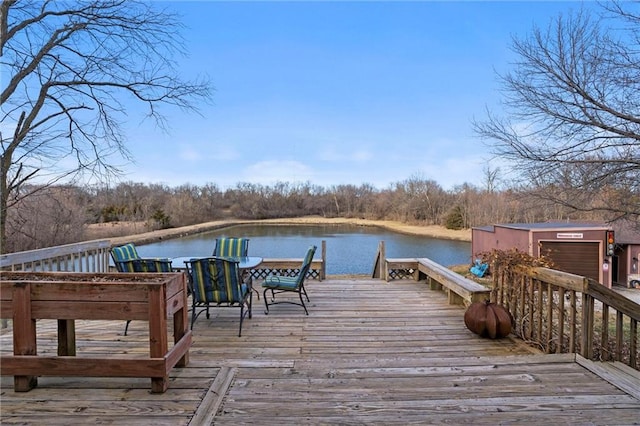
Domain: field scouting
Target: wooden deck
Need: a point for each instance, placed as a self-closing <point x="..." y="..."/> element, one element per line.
<point x="370" y="352"/>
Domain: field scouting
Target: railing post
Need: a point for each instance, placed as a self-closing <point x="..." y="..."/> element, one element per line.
<point x="586" y="349"/>
<point x="323" y="271"/>
<point x="104" y="262"/>
<point x="382" y="264"/>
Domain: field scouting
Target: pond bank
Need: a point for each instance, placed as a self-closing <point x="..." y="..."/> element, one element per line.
<point x="432" y="231"/>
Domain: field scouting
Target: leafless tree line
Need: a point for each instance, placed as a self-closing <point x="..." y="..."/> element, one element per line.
<point x="62" y="214"/>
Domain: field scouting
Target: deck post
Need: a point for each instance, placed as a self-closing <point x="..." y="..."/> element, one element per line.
<point x="383" y="273"/>
<point x="24" y="333"/>
<point x="66" y="337"/>
<point x="323" y="270"/>
<point x="586" y="349"/>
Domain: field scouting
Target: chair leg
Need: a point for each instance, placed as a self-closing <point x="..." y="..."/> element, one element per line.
<point x="126" y="327"/>
<point x="242" y="314"/>
<point x="305" y="292"/>
<point x="193" y="315"/>
<point x="266" y="304"/>
<point x="248" y="279"/>
<point x="273" y="302"/>
<point x="302" y="303"/>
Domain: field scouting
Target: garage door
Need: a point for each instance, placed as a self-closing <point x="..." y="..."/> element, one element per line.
<point x="578" y="258"/>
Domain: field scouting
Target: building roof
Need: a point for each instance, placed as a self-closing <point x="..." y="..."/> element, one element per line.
<point x="626" y="232"/>
<point x="546" y="225"/>
<point x="556" y="225"/>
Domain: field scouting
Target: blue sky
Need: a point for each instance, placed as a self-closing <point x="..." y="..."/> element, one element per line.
<point x="337" y="93"/>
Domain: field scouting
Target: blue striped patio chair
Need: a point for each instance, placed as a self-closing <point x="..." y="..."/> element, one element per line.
<point x="231" y="247"/>
<point x="295" y="284"/>
<point x="124" y="252"/>
<point x="234" y="247"/>
<point x="144" y="265"/>
<point x="216" y="282"/>
<point x="127" y="259"/>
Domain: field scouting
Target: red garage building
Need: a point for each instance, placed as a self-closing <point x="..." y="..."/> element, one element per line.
<point x="593" y="250"/>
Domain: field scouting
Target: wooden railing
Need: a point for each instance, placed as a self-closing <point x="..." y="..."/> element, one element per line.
<point x="565" y="313"/>
<point x="93" y="256"/>
<point x="89" y="256"/>
<point x="555" y="311"/>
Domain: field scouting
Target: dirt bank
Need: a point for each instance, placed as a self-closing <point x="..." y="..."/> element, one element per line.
<point x="123" y="232"/>
<point x="434" y="231"/>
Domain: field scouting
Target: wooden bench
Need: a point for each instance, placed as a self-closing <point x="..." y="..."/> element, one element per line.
<point x="66" y="296"/>
<point x="460" y="290"/>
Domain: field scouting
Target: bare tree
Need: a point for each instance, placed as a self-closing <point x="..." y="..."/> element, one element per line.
<point x="69" y="71"/>
<point x="491" y="178"/>
<point x="573" y="106"/>
<point x="420" y="200"/>
<point x="53" y="215"/>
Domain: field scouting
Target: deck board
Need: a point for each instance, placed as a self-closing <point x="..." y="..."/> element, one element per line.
<point x="370" y="352"/>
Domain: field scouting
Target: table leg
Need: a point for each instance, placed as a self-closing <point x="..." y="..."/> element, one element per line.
<point x="247" y="278"/>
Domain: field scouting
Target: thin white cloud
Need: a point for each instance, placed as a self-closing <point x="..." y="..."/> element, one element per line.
<point x="362" y="155"/>
<point x="272" y="171"/>
<point x="217" y="152"/>
<point x="223" y="152"/>
<point x="345" y="154"/>
<point x="455" y="171"/>
<point x="330" y="154"/>
<point x="189" y="154"/>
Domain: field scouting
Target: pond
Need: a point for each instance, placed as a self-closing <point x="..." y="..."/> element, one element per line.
<point x="351" y="249"/>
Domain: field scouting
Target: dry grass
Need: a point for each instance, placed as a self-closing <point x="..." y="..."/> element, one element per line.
<point x="120" y="229"/>
<point x="96" y="231"/>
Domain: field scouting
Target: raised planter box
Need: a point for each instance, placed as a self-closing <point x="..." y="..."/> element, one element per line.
<point x="66" y="296"/>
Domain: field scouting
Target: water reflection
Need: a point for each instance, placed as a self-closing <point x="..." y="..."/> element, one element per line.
<point x="351" y="249"/>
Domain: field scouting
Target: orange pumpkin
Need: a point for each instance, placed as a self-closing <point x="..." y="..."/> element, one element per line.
<point x="488" y="320"/>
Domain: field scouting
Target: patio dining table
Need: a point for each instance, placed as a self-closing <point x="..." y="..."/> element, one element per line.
<point x="244" y="262"/>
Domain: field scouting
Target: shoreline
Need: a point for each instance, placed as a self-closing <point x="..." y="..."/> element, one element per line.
<point x="432" y="231"/>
